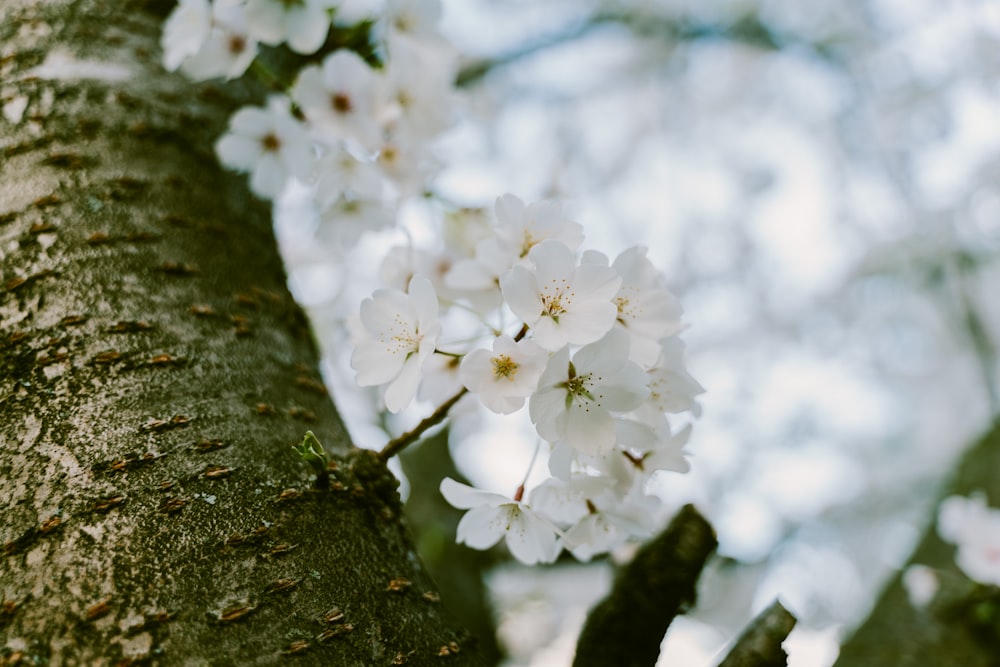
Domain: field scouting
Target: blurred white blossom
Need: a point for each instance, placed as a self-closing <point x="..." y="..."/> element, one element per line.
<point x="303" y="24"/>
<point x="269" y="143"/>
<point x="974" y="528"/>
<point x="400" y="332"/>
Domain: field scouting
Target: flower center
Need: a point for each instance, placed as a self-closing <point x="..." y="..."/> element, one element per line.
<point x="237" y="44"/>
<point x="504" y="367"/>
<point x="528" y="242"/>
<point x="401" y="338"/>
<point x="556" y="299"/>
<point x="388" y="155"/>
<point x="627" y="310"/>
<point x="403" y="23"/>
<point x="659" y="392"/>
<point x="578" y="386"/>
<point x="270" y="142"/>
<point x="341" y="102"/>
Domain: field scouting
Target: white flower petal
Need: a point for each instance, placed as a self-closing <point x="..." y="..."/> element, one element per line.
<point x="589" y="429"/>
<point x="548" y="334"/>
<point x="402" y="390"/>
<point x="561" y="460"/>
<point x="544" y="407"/>
<point x="374" y="364"/>
<point x="553" y="261"/>
<point x="269" y="177"/>
<point x="425" y="301"/>
<point x="509" y="209"/>
<point x="520" y="290"/>
<point x="238" y="151"/>
<point x="530" y="539"/>
<point x="184" y="32"/>
<point x="483" y="526"/>
<point x="307" y="28"/>
<point x="466" y="497"/>
<point x="605" y="356"/>
<point x="266" y="20"/>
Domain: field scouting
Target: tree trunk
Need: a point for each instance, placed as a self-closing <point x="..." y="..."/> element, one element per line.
<point x="154" y="372"/>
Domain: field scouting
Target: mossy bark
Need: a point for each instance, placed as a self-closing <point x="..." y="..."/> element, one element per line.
<point x="154" y="372"/>
<point x="951" y="631"/>
<point x="627" y="627"/>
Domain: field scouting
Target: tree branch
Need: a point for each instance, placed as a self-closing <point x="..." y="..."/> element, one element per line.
<point x="748" y="29"/>
<point x="760" y="643"/>
<point x="397" y="445"/>
<point x="899" y="634"/>
<point x="626" y="628"/>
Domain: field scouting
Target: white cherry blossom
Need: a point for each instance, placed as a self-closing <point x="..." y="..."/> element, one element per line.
<point x="493" y="517"/>
<point x="441" y="379"/>
<point x="228" y="49"/>
<point x="344" y="219"/>
<point x="185" y="31"/>
<point x="342" y="171"/>
<point x="417" y="91"/>
<point x="521" y="227"/>
<point x="575" y="399"/>
<point x="339" y="98"/>
<point x="667" y="454"/>
<point x="483" y="271"/>
<point x="505" y="377"/>
<point x="671" y="387"/>
<point x="598" y="362"/>
<point x="269" y="143"/>
<point x="646" y="309"/>
<point x="564" y="501"/>
<point x="596" y="516"/>
<point x="402" y="262"/>
<point x="400" y="332"/>
<point x="560" y="301"/>
<point x="974" y="528"/>
<point x="610" y="524"/>
<point x="464" y="228"/>
<point x="402" y="163"/>
<point x="921" y="584"/>
<point x="302" y="23"/>
<point x="417" y="18"/>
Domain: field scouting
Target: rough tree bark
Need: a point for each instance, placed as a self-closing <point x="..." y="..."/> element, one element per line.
<point x="627" y="627"/>
<point x="154" y="372"/>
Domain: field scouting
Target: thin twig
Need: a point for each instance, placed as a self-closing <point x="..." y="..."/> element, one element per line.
<point x="398" y="444"/>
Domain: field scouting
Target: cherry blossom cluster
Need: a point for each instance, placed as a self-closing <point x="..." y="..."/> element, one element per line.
<point x="511" y="312"/>
<point x="358" y="134"/>
<point x="590" y="345"/>
<point x="974" y="528"/>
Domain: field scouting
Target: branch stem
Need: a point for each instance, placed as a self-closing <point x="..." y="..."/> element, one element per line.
<point x="397" y="445"/>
